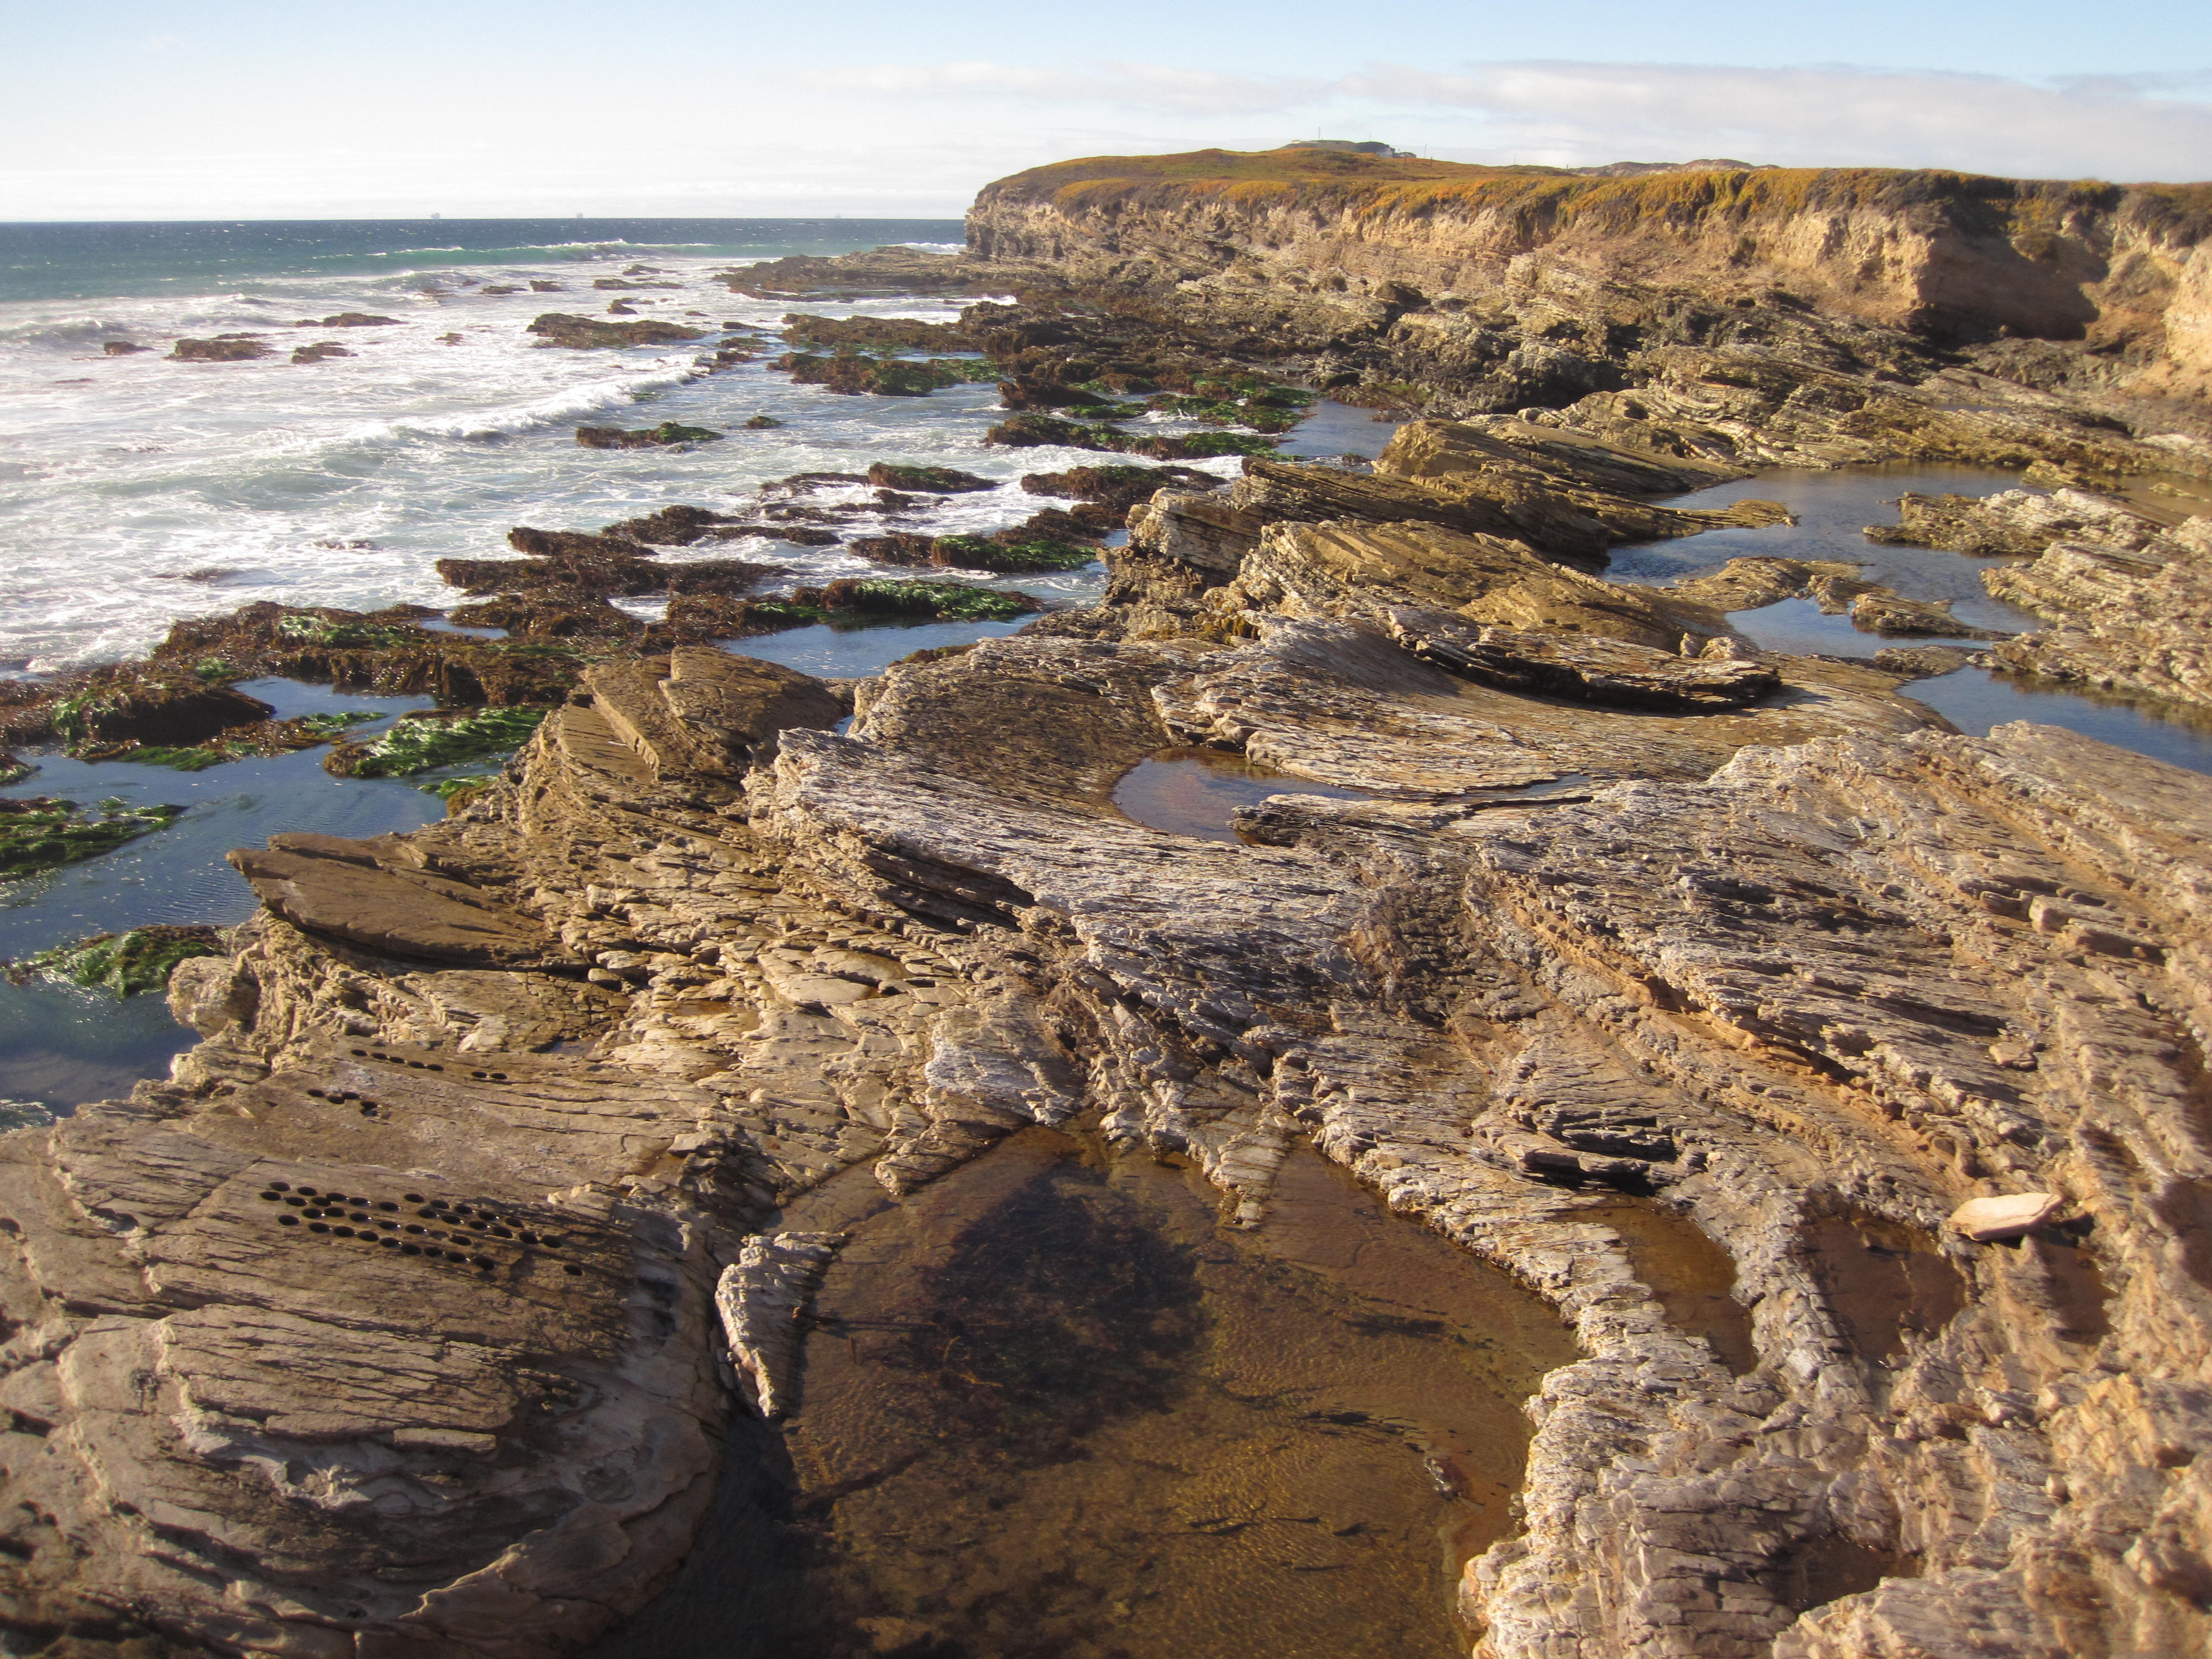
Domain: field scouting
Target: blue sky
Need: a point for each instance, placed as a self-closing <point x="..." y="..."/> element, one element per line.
<point x="249" y="109"/>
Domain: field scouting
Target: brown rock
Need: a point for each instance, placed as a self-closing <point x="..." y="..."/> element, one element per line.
<point x="228" y="349"/>
<point x="587" y="333"/>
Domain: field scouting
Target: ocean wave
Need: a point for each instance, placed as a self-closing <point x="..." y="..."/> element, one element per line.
<point x="557" y="409"/>
<point x="74" y="331"/>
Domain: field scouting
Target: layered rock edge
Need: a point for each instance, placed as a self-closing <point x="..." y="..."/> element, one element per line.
<point x="388" y="1326"/>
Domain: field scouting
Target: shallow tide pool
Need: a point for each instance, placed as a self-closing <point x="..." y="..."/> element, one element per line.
<point x="1833" y="508"/>
<point x="1051" y="1409"/>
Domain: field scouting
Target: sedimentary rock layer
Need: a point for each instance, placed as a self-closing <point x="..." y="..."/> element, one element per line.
<point x="388" y="1324"/>
<point x="1341" y="238"/>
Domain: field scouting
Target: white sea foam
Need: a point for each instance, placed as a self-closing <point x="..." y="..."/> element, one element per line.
<point x="140" y="490"/>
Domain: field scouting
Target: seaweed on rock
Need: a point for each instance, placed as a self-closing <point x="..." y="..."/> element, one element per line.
<point x="43" y="833"/>
<point x="425" y="743"/>
<point x="126" y="964"/>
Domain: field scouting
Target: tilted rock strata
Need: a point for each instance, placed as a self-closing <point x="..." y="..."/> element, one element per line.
<point x="2128" y="601"/>
<point x="1635" y="926"/>
<point x="1862" y="978"/>
<point x="2129" y="620"/>
<point x="1833" y="999"/>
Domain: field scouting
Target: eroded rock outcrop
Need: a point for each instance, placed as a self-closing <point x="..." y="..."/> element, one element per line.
<point x="2127" y="599"/>
<point x="405" y="1318"/>
<point x="1432" y="251"/>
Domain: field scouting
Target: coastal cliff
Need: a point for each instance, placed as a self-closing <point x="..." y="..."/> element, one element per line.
<point x="1325" y="243"/>
<point x="1831" y="1079"/>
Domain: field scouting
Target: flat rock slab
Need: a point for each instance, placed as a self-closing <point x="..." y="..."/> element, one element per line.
<point x="340" y="891"/>
<point x="1615" y="672"/>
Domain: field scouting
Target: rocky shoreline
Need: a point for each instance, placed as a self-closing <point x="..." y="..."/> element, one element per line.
<point x="388" y="1325"/>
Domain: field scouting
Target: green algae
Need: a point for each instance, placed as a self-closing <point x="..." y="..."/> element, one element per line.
<point x="304" y="628"/>
<point x="1029" y="431"/>
<point x="426" y="745"/>
<point x="944" y="601"/>
<point x="1024" y="554"/>
<point x="863" y="602"/>
<point x="275" y="738"/>
<point x="1201" y="445"/>
<point x="41" y="834"/>
<point x="125" y="964"/>
<point x="1215" y="411"/>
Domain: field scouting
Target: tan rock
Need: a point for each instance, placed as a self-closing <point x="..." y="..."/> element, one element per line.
<point x="1985" y="1220"/>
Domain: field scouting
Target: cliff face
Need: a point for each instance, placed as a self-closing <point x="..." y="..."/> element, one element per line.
<point x="2125" y="271"/>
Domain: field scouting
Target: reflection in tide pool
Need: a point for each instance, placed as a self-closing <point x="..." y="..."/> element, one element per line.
<point x="833" y="653"/>
<point x="1833" y="508"/>
<point x="1051" y="1410"/>
<point x="1196" y="791"/>
<point x="1974" y="700"/>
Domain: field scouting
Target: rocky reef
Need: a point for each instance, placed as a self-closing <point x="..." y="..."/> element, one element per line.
<point x="2128" y="596"/>
<point x="410" y="1315"/>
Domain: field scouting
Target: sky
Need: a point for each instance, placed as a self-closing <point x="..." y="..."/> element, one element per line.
<point x="120" y="109"/>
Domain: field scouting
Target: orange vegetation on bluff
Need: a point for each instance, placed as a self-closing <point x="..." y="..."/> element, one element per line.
<point x="2123" y="269"/>
<point x="1558" y="199"/>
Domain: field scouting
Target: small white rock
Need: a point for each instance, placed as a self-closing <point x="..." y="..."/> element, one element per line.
<point x="1985" y="1220"/>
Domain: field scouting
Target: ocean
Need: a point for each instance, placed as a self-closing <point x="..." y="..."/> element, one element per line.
<point x="135" y="490"/>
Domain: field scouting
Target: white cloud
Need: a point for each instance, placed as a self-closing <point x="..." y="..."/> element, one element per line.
<point x="1826" y="115"/>
<point x="1143" y="86"/>
<point x="2145" y="126"/>
<point x="917" y="140"/>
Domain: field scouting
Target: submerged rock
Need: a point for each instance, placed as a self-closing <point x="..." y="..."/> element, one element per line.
<point x="760" y="1297"/>
<point x="587" y="333"/>
<point x="667" y="434"/>
<point x="225" y="349"/>
<point x="37" y="834"/>
<point x="142" y="959"/>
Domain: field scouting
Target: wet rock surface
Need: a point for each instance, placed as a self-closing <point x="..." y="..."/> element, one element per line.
<point x="1683" y="994"/>
<point x="2127" y="597"/>
<point x="558" y="328"/>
